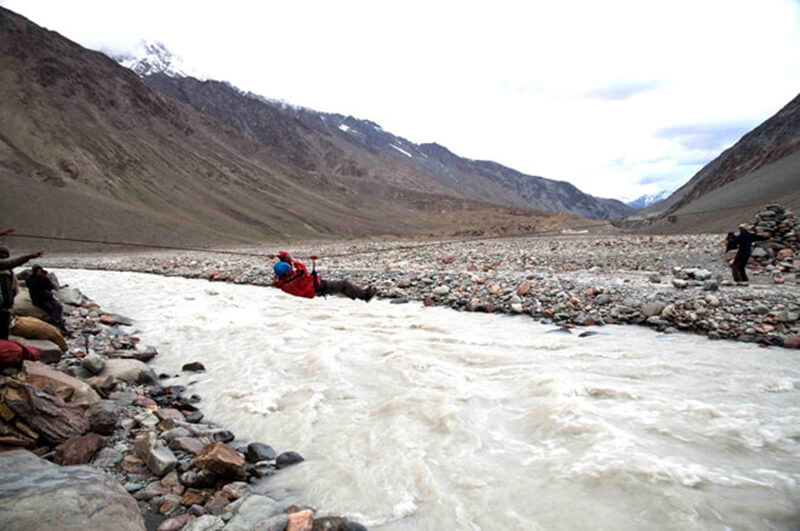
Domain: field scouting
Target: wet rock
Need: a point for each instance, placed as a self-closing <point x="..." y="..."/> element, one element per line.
<point x="250" y="511"/>
<point x="103" y="416"/>
<point x="194" y="366"/>
<point x="300" y="521"/>
<point x="276" y="523"/>
<point x="174" y="524"/>
<point x="260" y="452"/>
<point x="791" y="342"/>
<point x="37" y="494"/>
<point x="206" y="522"/>
<point x="288" y="458"/>
<point x="93" y="363"/>
<point x="221" y="459"/>
<point x="330" y="523"/>
<point x="190" y="445"/>
<point x="79" y="450"/>
<point x="235" y="490"/>
<point x="158" y="458"/>
<point x="194" y="417"/>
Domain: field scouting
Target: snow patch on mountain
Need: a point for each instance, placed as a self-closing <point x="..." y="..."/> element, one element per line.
<point x="649" y="199"/>
<point x="154" y="58"/>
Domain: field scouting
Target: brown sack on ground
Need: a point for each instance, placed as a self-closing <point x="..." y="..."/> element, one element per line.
<point x="33" y="328"/>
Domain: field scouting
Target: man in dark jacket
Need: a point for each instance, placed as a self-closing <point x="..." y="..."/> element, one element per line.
<point x="744" y="243"/>
<point x="292" y="277"/>
<point x="8" y="285"/>
<point x="40" y="288"/>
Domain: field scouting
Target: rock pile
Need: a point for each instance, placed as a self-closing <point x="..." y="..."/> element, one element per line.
<point x="781" y="253"/>
<point x="151" y="453"/>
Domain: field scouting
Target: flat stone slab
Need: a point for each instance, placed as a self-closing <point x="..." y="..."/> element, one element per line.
<point x="49" y="351"/>
<point x="37" y="494"/>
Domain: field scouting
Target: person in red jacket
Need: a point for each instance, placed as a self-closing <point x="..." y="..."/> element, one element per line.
<point x="293" y="277"/>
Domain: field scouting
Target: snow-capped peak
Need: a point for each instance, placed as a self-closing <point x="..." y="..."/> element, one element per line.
<point x="154" y="58"/>
<point x="649" y="199"/>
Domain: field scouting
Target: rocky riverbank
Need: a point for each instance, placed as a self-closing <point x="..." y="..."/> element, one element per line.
<point x="670" y="283"/>
<point x="155" y="462"/>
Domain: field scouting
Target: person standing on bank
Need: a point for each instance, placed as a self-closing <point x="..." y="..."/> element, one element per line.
<point x="8" y="284"/>
<point x="292" y="277"/>
<point x="744" y="243"/>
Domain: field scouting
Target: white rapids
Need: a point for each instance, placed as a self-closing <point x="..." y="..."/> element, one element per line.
<point x="425" y="418"/>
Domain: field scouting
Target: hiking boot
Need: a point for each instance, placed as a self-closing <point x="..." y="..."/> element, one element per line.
<point x="369" y="293"/>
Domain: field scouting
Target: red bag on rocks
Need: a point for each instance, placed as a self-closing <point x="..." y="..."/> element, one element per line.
<point x="12" y="353"/>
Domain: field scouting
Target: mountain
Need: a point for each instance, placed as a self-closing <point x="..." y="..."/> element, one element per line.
<point x="351" y="151"/>
<point x="762" y="167"/>
<point x="648" y="200"/>
<point x="88" y="149"/>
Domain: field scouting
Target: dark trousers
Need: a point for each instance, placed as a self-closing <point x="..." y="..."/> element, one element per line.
<point x="54" y="310"/>
<point x="5" y="322"/>
<point x="737" y="268"/>
<point x="340" y="287"/>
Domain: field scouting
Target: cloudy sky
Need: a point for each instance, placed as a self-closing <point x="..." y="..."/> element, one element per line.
<point x="617" y="97"/>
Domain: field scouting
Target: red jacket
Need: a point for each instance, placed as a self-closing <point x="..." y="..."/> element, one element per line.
<point x="297" y="282"/>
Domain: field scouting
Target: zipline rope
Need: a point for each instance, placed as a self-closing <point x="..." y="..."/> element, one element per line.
<point x="371" y="251"/>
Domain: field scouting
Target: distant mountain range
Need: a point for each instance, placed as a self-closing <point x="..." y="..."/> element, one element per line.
<point x="90" y="149"/>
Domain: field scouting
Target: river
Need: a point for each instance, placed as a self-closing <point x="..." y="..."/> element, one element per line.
<point x="426" y="418"/>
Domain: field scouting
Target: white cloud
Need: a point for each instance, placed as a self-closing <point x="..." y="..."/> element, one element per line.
<point x="560" y="89"/>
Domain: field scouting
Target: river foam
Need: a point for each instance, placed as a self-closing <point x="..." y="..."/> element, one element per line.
<point x="425" y="418"/>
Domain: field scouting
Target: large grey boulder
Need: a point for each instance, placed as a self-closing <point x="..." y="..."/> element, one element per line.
<point x="37" y="494"/>
<point x="23" y="306"/>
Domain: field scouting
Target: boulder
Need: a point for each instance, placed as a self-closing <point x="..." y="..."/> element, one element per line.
<point x="127" y="370"/>
<point x="48" y="415"/>
<point x="37" y="494"/>
<point x="792" y="342"/>
<point x="23" y="307"/>
<point x="93" y="363"/>
<point x="257" y="451"/>
<point x="252" y="510"/>
<point x="65" y="387"/>
<point x="221" y="459"/>
<point x="194" y="366"/>
<point x="79" y="450"/>
<point x="288" y="458"/>
<point x="276" y="523"/>
<point x="103" y="416"/>
<point x="206" y="522"/>
<point x="300" y="521"/>
<point x="49" y="352"/>
<point x="158" y="458"/>
<point x="650" y="309"/>
<point x="71" y="296"/>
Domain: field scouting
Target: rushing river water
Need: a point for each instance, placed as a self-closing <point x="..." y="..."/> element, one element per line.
<point x="425" y="418"/>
